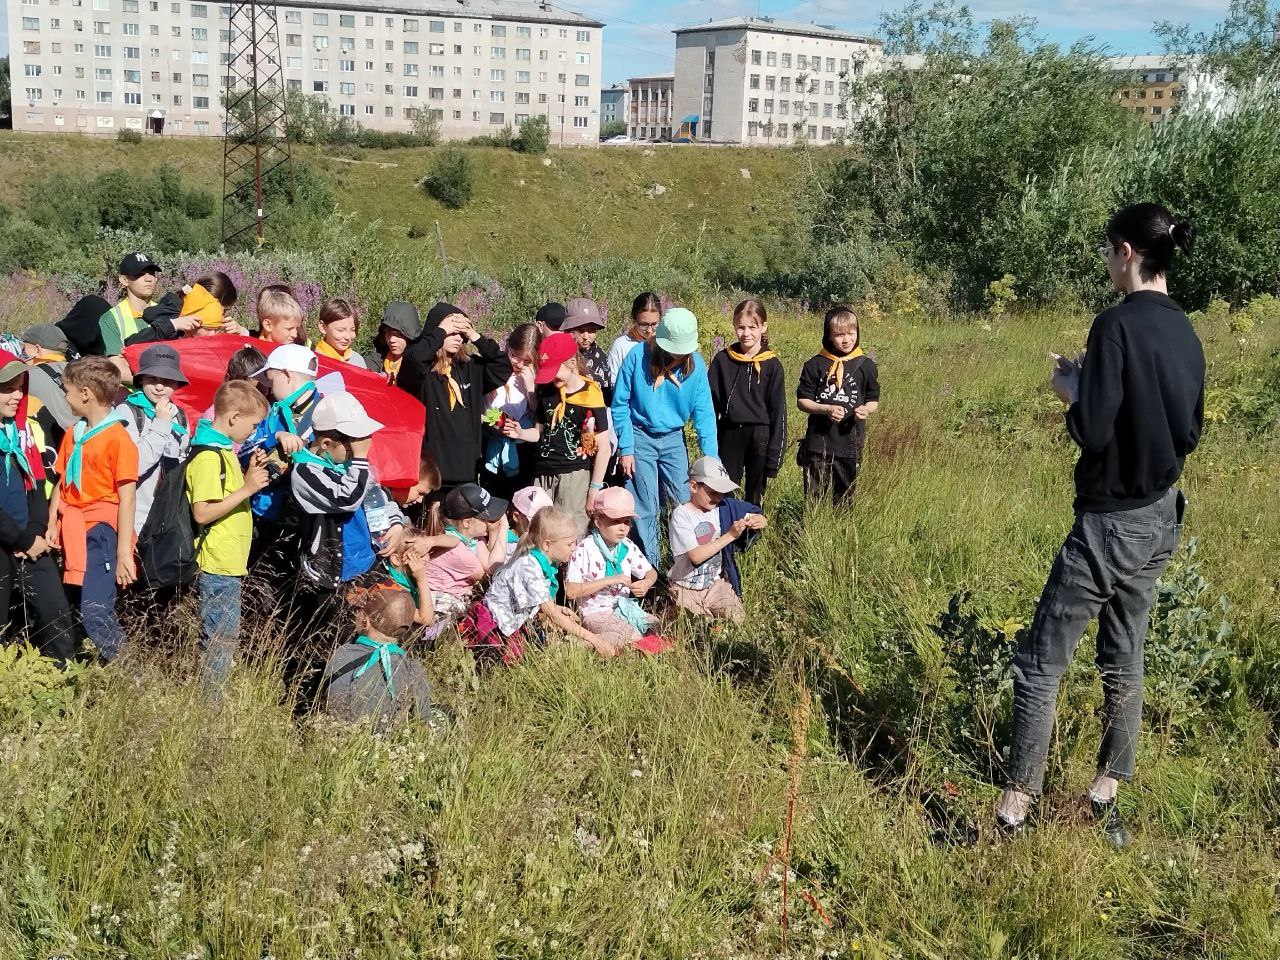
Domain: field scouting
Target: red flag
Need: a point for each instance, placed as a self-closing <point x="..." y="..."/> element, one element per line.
<point x="396" y="447"/>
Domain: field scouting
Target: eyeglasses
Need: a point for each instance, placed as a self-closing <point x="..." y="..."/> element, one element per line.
<point x="1105" y="251"/>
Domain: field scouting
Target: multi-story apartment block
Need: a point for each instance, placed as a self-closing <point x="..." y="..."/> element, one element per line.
<point x="650" y="111"/>
<point x="96" y="66"/>
<point x="1157" y="88"/>
<point x="613" y="104"/>
<point x="759" y="80"/>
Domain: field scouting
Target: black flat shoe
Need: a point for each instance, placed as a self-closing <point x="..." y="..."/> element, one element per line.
<point x="1012" y="829"/>
<point x="1107" y="815"/>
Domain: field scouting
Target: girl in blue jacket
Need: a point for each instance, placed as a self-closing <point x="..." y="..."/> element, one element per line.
<point x="661" y="387"/>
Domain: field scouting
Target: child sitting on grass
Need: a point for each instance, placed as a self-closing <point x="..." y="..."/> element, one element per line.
<point x="499" y="625"/>
<point x="704" y="535"/>
<point x="472" y="548"/>
<point x="525" y="505"/>
<point x="371" y="677"/>
<point x="607" y="574"/>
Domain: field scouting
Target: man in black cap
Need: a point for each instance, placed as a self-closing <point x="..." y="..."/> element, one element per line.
<point x="138" y="274"/>
<point x="550" y="316"/>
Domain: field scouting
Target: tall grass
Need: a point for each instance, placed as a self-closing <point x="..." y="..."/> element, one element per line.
<point x="638" y="807"/>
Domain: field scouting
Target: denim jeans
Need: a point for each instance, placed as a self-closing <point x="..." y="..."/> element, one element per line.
<point x="1107" y="568"/>
<point x="220" y="625"/>
<point x="661" y="478"/>
<point x="98" y="594"/>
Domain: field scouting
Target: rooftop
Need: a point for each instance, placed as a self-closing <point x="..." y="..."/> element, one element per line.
<point x="652" y="76"/>
<point x="774" y="25"/>
<point x="519" y="10"/>
<point x="1148" y="62"/>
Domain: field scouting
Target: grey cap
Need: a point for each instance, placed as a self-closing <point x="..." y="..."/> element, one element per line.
<point x="710" y="472"/>
<point x="581" y="313"/>
<point x="161" y="361"/>
<point x="47" y="335"/>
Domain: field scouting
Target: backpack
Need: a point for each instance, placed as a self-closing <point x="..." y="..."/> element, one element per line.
<point x="167" y="544"/>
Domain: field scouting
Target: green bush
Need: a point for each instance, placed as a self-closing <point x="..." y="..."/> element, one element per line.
<point x="452" y="179"/>
<point x="129" y="135"/>
<point x="535" y="135"/>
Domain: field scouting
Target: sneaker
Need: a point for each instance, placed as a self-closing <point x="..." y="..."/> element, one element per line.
<point x="1107" y="815"/>
<point x="1012" y="828"/>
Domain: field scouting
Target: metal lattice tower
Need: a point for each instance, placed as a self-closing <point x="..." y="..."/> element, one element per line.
<point x="254" y="144"/>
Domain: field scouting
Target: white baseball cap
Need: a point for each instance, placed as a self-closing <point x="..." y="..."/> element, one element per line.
<point x="344" y="414"/>
<point x="710" y="472"/>
<point x="291" y="358"/>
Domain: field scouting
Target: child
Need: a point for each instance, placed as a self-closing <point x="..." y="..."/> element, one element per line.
<point x="525" y="505"/>
<point x="219" y="493"/>
<point x="26" y="564"/>
<point x="290" y="372"/>
<point x="583" y="323"/>
<point x="370" y="677"/>
<point x="91" y="514"/>
<point x="46" y="346"/>
<point x="339" y="329"/>
<point x="571" y="431"/>
<point x="400" y="326"/>
<point x="244" y="365"/>
<point x="607" y="574"/>
<point x="526" y="588"/>
<point x="698" y="579"/>
<point x="474" y="547"/>
<point x="450" y="368"/>
<point x="646" y="312"/>
<point x="199" y="310"/>
<point x="280" y="318"/>
<point x="838" y="389"/>
<point x="508" y="463"/>
<point x="137" y="276"/>
<point x="549" y="317"/>
<point x="749" y="396"/>
<point x="428" y="482"/>
<point x="155" y="423"/>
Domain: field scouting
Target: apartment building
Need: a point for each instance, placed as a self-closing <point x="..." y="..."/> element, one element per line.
<point x="97" y="66"/>
<point x="614" y="101"/>
<point x="650" y="115"/>
<point x="1157" y="88"/>
<point x="764" y="81"/>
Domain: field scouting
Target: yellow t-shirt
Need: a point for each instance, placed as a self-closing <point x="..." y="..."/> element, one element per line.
<point x="225" y="547"/>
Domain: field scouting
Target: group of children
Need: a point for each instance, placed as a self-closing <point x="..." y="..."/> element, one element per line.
<point x="277" y="483"/>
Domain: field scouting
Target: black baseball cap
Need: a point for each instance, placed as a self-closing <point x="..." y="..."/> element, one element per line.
<point x="552" y="314"/>
<point x="472" y="500"/>
<point x="135" y="265"/>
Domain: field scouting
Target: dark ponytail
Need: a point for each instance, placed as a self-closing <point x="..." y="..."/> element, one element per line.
<point x="1153" y="233"/>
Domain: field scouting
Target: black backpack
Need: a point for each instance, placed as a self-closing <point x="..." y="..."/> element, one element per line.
<point x="167" y="544"/>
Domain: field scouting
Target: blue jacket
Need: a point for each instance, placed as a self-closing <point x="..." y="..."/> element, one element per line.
<point x="636" y="403"/>
<point x="731" y="511"/>
<point x="269" y="503"/>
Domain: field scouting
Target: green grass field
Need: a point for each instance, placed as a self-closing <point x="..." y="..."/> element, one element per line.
<point x="638" y="808"/>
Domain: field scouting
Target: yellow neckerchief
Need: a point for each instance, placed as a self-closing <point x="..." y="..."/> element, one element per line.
<point x="455" y="391"/>
<point x="391" y="366"/>
<point x="665" y="373"/>
<point x="587" y="395"/>
<point x="836" y="373"/>
<point x="200" y="303"/>
<point x="755" y="361"/>
<point x="326" y="349"/>
<point x="48" y="356"/>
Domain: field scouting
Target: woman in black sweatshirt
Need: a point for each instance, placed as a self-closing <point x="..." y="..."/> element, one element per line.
<point x="450" y="368"/>
<point x="1136" y="407"/>
<point x="749" y="396"/>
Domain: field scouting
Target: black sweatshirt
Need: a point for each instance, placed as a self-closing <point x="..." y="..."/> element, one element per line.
<point x="741" y="398"/>
<point x="453" y="437"/>
<point x="1141" y="403"/>
<point x="859" y="384"/>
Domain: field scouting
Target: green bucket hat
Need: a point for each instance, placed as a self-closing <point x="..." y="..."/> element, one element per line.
<point x="678" y="332"/>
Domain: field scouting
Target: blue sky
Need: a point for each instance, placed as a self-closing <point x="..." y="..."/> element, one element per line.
<point x="638" y="37"/>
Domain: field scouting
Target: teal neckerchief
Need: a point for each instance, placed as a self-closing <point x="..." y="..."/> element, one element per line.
<point x="382" y="653"/>
<point x="12" y="449"/>
<point x="453" y="531"/>
<point x="512" y="536"/>
<point x="399" y="577"/>
<point x="143" y="402"/>
<point x="285" y="407"/>
<point x="207" y="435"/>
<point x="612" y="559"/>
<point x="324" y="463"/>
<point x="548" y="570"/>
<point x="625" y="607"/>
<point x="81" y="434"/>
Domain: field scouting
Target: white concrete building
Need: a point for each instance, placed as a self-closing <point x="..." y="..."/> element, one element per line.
<point x="96" y="66"/>
<point x="763" y="81"/>
<point x="649" y="114"/>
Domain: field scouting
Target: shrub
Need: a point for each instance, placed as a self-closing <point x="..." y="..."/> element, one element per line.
<point x="32" y="688"/>
<point x="1000" y="295"/>
<point x="129" y="135"/>
<point x="452" y="179"/>
<point x="535" y="135"/>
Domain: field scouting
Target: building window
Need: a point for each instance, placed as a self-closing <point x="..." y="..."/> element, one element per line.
<point x="435" y="49"/>
<point x="319" y="63"/>
<point x="411" y="70"/>
<point x="754" y="81"/>
<point x="497" y="76"/>
<point x="319" y="19"/>
<point x="133" y="30"/>
<point x="581" y="80"/>
<point x="498" y="118"/>
<point x="520" y="97"/>
<point x="524" y="53"/>
<point x="410" y="26"/>
<point x="755" y="58"/>
<point x="319" y="86"/>
<point x="101" y="51"/>
<point x="768" y="83"/>
<point x="293" y="16"/>
<point x="435" y="93"/>
<point x="347" y="109"/>
<point x="103" y="96"/>
<point x="829" y="88"/>
<point x="31" y="70"/>
<point x="437" y="70"/>
<point x="582" y="59"/>
<point x="293" y="63"/>
<point x="497" y="96"/>
<point x="197" y="79"/>
<point x="522" y="76"/>
<point x="753" y="105"/>
<point x="346" y="20"/>
<point x="347" y="66"/>
<point x="584" y="36"/>
<point x="347" y="89"/>
<point x="581" y="122"/>
<point x="37" y="94"/>
<point x="200" y="103"/>
<point x="410" y="91"/>
<point x="497" y="53"/>
<point x="786" y="59"/>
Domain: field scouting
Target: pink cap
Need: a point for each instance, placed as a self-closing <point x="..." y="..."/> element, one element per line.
<point x="616" y="503"/>
<point x="529" y="500"/>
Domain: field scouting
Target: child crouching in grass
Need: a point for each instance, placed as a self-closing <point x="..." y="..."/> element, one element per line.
<point x="526" y="588"/>
<point x="705" y="535"/>
<point x="468" y="547"/>
<point x="371" y="677"/>
<point x="607" y="574"/>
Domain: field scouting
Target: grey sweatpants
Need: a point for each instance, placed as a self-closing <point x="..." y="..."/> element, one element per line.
<point x="1107" y="568"/>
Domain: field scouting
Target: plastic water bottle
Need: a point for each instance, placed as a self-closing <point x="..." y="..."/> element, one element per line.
<point x="377" y="512"/>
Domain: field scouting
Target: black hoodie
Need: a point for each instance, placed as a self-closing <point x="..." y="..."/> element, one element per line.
<point x="453" y="437"/>
<point x="401" y="317"/>
<point x="82" y="329"/>
<point x="742" y="397"/>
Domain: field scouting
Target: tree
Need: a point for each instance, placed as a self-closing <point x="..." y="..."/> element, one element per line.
<point x="452" y="179"/>
<point x="1240" y="50"/>
<point x="613" y="128"/>
<point x="535" y="135"/>
<point x="6" y="119"/>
